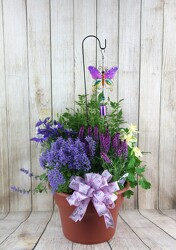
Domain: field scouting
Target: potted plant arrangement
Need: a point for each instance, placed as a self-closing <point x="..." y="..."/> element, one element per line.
<point x="90" y="159"/>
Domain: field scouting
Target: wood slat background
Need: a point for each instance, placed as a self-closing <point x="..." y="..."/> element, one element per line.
<point x="41" y="74"/>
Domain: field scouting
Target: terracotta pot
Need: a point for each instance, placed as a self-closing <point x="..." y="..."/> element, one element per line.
<point x="91" y="229"/>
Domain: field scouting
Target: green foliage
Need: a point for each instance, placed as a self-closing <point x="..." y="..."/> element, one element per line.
<point x="90" y="117"/>
<point x="128" y="194"/>
<point x="42" y="186"/>
<point x="115" y="117"/>
<point x="144" y="183"/>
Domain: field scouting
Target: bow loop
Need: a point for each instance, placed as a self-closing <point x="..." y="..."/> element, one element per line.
<point x="96" y="188"/>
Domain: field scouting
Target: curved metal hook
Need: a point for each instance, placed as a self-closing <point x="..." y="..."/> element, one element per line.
<point x="102" y="48"/>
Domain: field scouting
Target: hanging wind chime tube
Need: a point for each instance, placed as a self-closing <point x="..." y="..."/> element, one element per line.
<point x="102" y="106"/>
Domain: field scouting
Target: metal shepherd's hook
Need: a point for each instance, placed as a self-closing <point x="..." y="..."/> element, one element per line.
<point x="101" y="48"/>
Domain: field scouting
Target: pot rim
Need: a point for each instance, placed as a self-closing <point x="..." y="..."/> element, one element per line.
<point x="117" y="193"/>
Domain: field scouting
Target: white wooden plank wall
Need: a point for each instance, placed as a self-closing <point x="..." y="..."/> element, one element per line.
<point x="41" y="74"/>
<point x="39" y="64"/>
<point x="129" y="59"/>
<point x="167" y="159"/>
<point x="17" y="98"/>
<point x="150" y="83"/>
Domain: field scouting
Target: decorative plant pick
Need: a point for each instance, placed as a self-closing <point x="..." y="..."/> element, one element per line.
<point x="103" y="79"/>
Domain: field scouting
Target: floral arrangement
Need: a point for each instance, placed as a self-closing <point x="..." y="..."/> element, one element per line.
<point x="89" y="153"/>
<point x="84" y="141"/>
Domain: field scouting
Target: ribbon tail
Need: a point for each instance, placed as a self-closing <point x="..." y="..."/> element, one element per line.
<point x="108" y="219"/>
<point x="80" y="210"/>
<point x="103" y="210"/>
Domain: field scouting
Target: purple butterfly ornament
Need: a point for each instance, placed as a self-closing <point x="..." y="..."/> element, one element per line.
<point x="104" y="78"/>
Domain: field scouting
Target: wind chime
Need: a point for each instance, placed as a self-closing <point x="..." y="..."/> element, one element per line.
<point x="102" y="79"/>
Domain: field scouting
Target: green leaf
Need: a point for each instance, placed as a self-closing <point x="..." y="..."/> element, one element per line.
<point x="43" y="177"/>
<point x="100" y="97"/>
<point x="128" y="194"/>
<point x="140" y="170"/>
<point x="40" y="188"/>
<point x="144" y="183"/>
<point x="133" y="184"/>
<point x="131" y="163"/>
<point x="131" y="177"/>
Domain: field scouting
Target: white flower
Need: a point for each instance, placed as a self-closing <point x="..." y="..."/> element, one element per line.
<point x="128" y="137"/>
<point x="137" y="152"/>
<point x="133" y="129"/>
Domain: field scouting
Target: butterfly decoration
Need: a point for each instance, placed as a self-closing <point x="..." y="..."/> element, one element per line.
<point x="104" y="78"/>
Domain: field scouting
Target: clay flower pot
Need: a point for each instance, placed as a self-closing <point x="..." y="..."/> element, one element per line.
<point x="91" y="229"/>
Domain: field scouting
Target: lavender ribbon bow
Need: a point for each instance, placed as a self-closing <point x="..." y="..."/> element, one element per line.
<point x="95" y="188"/>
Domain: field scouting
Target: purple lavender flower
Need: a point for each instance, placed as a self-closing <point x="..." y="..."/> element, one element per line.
<point x="81" y="134"/>
<point x="89" y="131"/>
<point x="24" y="170"/>
<point x="105" y="141"/>
<point x="106" y="158"/>
<point x="115" y="141"/>
<point x="120" y="147"/>
<point x="55" y="178"/>
<point x="19" y="190"/>
<point x="28" y="173"/>
<point x="95" y="134"/>
<point x="124" y="148"/>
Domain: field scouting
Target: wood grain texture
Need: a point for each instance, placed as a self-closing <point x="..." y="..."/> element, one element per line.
<point x="129" y="60"/>
<point x="62" y="48"/>
<point x="167" y="153"/>
<point x="28" y="233"/>
<point x="100" y="246"/>
<point x="3" y="215"/>
<point x="16" y="69"/>
<point x="150" y="234"/>
<point x="4" y="170"/>
<point x="10" y="223"/>
<point x="170" y="213"/>
<point x="125" y="238"/>
<point x="84" y="25"/>
<point x="38" y="21"/>
<point x="161" y="220"/>
<point x="53" y="237"/>
<point x="41" y="231"/>
<point x="150" y="84"/>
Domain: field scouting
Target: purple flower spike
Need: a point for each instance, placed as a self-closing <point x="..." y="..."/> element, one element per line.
<point x="89" y="131"/>
<point x="19" y="190"/>
<point x="96" y="137"/>
<point x="115" y="141"/>
<point x="105" y="140"/>
<point x="124" y="148"/>
<point x="81" y="134"/>
<point x="103" y="110"/>
<point x="24" y="170"/>
<point x="106" y="158"/>
<point x="120" y="147"/>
